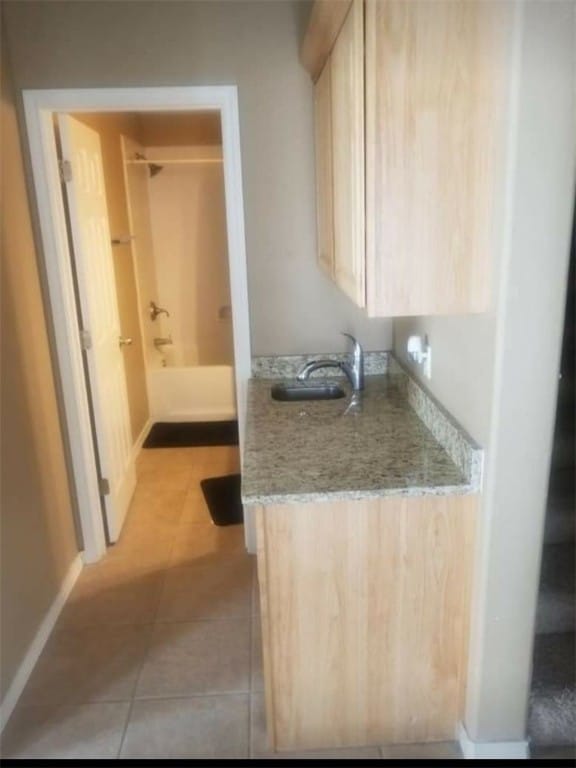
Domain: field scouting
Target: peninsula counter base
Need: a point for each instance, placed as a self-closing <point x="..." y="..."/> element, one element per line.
<point x="365" y="613"/>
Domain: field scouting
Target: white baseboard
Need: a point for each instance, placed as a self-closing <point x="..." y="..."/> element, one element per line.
<point x="37" y="645"/>
<point x="490" y="750"/>
<point x="140" y="439"/>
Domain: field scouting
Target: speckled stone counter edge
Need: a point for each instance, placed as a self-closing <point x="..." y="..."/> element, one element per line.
<point x="310" y="498"/>
<point x="458" y="444"/>
<point x="462" y="449"/>
<point x="287" y="366"/>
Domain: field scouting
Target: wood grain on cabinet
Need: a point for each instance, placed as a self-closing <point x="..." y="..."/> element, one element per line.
<point x="324" y="186"/>
<point x="364" y="613"/>
<point x="326" y="19"/>
<point x="265" y="612"/>
<point x="434" y="106"/>
<point x="347" y="93"/>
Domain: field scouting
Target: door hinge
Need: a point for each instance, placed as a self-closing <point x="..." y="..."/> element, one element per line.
<point x="85" y="340"/>
<point x="65" y="168"/>
<point x="104" y="486"/>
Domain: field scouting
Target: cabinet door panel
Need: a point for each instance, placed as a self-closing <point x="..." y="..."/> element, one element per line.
<point x="323" y="141"/>
<point x="434" y="103"/>
<point x="365" y="614"/>
<point x="347" y="85"/>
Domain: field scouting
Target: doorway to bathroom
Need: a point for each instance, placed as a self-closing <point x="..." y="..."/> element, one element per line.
<point x="174" y="186"/>
<point x="171" y="168"/>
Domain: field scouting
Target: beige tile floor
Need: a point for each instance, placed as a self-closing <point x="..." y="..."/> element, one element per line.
<point x="157" y="652"/>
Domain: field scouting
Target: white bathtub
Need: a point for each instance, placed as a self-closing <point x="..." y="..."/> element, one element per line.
<point x="196" y="393"/>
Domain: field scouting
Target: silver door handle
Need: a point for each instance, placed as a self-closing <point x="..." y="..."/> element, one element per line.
<point x="124" y="341"/>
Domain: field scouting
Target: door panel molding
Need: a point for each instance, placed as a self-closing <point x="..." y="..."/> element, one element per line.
<point x="89" y="222"/>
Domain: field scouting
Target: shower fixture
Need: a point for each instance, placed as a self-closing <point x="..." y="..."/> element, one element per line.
<point x="155" y="310"/>
<point x="153" y="168"/>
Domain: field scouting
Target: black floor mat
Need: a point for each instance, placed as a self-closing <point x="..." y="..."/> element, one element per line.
<point x="222" y="496"/>
<point x="166" y="434"/>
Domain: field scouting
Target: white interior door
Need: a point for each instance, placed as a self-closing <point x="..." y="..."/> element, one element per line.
<point x="90" y="233"/>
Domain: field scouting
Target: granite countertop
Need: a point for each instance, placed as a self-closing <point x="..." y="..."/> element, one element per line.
<point x="319" y="450"/>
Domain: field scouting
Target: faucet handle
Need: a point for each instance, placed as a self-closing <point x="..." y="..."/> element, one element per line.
<point x="154" y="310"/>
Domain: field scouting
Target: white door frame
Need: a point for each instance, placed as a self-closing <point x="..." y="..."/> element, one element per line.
<point x="40" y="106"/>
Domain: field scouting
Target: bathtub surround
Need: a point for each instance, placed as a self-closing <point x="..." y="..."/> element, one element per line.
<point x="193" y="393"/>
<point x="188" y="220"/>
<point x="179" y="220"/>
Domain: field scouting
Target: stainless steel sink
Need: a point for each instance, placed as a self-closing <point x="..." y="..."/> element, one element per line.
<point x="302" y="392"/>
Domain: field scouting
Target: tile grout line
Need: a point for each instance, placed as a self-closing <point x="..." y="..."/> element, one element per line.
<point x="134" y="688"/>
<point x="130" y="699"/>
<point x="154" y="623"/>
<point x="146" y="653"/>
<point x="185" y="696"/>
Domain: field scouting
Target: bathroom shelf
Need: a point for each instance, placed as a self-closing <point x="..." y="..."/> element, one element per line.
<point x="176" y="161"/>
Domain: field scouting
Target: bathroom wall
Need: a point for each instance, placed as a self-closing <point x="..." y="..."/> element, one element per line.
<point x="136" y="181"/>
<point x="253" y="45"/>
<point x="110" y="127"/>
<point x="190" y="247"/>
<point x="37" y="537"/>
<point x="159" y="129"/>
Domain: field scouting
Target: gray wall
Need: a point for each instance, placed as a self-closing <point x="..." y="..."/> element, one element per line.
<point x="37" y="539"/>
<point x="498" y="372"/>
<point x="293" y="307"/>
<point x="462" y="364"/>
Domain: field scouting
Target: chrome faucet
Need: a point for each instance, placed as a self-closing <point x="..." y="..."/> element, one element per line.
<point x="353" y="367"/>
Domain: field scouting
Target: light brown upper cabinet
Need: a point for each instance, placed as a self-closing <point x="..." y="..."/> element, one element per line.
<point x="347" y="93"/>
<point x="339" y="123"/>
<point x="415" y="134"/>
<point x="323" y="142"/>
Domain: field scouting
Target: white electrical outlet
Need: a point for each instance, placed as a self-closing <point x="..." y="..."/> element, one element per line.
<point x="420" y="351"/>
<point x="427" y="371"/>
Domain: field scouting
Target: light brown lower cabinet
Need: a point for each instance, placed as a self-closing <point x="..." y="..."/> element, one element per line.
<point x="365" y="613"/>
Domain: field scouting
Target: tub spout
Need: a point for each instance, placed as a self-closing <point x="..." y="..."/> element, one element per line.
<point x="160" y="341"/>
